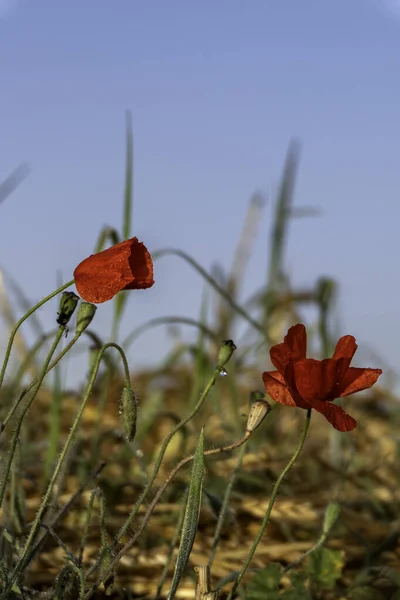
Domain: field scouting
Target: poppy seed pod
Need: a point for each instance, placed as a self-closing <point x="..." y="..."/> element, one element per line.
<point x="332" y="513"/>
<point x="257" y="414"/>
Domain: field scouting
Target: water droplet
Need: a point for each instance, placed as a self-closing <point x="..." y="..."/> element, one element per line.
<point x="139" y="453"/>
<point x="223" y="372"/>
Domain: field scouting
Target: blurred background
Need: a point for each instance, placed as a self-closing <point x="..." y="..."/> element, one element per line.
<point x="217" y="90"/>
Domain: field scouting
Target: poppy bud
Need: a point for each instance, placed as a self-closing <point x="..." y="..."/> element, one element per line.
<point x="225" y="353"/>
<point x="68" y="303"/>
<point x="128" y="410"/>
<point x="258" y="412"/>
<point x="85" y="316"/>
<point x="331" y="515"/>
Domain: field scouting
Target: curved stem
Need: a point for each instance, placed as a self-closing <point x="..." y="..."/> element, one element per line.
<point x="160" y="456"/>
<point x="224" y="507"/>
<point x="18" y="325"/>
<point x="22" y="416"/>
<point x="34" y="382"/>
<point x="270" y="506"/>
<point x="167" y="321"/>
<point x="221" y="291"/>
<point x="154" y="503"/>
<point x="37" y="522"/>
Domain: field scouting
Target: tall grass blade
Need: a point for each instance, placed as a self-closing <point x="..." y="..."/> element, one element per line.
<point x="13" y="181"/>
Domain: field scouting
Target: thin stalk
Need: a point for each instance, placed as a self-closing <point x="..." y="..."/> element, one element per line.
<point x="55" y="362"/>
<point x="160" y="456"/>
<point x="154" y="503"/>
<point x="224" y="507"/>
<point x="270" y="506"/>
<point x="37" y="522"/>
<point x="21" y="321"/>
<point x="22" y="416"/>
<point x="213" y="283"/>
<point x="63" y="511"/>
<point x="54" y="424"/>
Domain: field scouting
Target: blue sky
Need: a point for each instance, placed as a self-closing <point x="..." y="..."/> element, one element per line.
<point x="217" y="90"/>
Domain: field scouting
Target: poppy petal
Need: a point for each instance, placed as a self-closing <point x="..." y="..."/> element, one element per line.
<point x="276" y="388"/>
<point x="101" y="276"/>
<point x="357" y="379"/>
<point x="280" y="357"/>
<point x="315" y="380"/>
<point x="293" y="348"/>
<point x="141" y="266"/>
<point x="345" y="348"/>
<point x="296" y="341"/>
<point x="336" y="416"/>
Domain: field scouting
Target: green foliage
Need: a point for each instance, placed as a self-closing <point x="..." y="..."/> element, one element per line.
<point x="266" y="585"/>
<point x="325" y="567"/>
<point x="22" y="536"/>
<point x="365" y="593"/>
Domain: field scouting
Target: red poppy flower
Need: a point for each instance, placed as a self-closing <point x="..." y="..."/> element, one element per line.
<point x="310" y="383"/>
<point x="126" y="266"/>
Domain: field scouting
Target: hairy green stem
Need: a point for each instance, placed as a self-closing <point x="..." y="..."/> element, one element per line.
<point x="160" y="456"/>
<point x="20" y="322"/>
<point x="270" y="506"/>
<point x="22" y="416"/>
<point x="154" y="503"/>
<point x="32" y="385"/>
<point x="37" y="522"/>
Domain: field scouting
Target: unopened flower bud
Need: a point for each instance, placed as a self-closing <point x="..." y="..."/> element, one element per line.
<point x="68" y="303"/>
<point x="129" y="412"/>
<point x="85" y="316"/>
<point x="258" y="411"/>
<point x="331" y="514"/>
<point x="225" y="353"/>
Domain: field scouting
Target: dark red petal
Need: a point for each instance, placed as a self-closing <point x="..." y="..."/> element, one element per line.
<point x="336" y="416"/>
<point x="276" y="388"/>
<point x="315" y="380"/>
<point x="345" y="348"/>
<point x="141" y="266"/>
<point x="280" y="357"/>
<point x="296" y="341"/>
<point x="293" y="348"/>
<point x="357" y="380"/>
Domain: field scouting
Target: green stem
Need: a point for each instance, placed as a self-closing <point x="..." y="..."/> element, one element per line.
<point x="18" y="325"/>
<point x="37" y="522"/>
<point x="160" y="456"/>
<point x="224" y="507"/>
<point x="270" y="506"/>
<point x="22" y="416"/>
<point x="213" y="284"/>
<point x="55" y="362"/>
<point x="113" y="564"/>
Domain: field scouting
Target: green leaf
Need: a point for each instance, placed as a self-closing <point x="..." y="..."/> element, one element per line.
<point x="325" y="567"/>
<point x="264" y="585"/>
<point x="191" y="518"/>
<point x="364" y="592"/>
